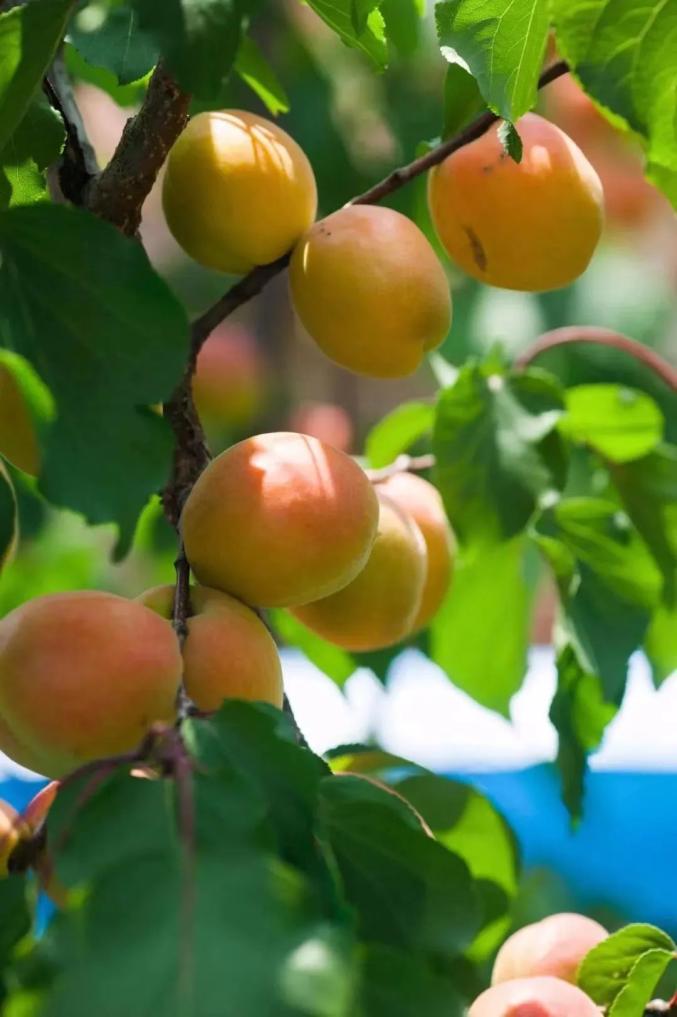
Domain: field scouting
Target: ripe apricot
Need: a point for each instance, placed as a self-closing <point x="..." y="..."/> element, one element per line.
<point x="555" y="946"/>
<point x="279" y="519"/>
<point x="238" y="191"/>
<point x="380" y="605"/>
<point x="18" y="436"/>
<point x="422" y="501"/>
<point x="326" y="421"/>
<point x="228" y="653"/>
<point x="83" y="675"/>
<point x="369" y="289"/>
<point x="532" y="225"/>
<point x="229" y="382"/>
<point x="11" y="832"/>
<point x="534" y="997"/>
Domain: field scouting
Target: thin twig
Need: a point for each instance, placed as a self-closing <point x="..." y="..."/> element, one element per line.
<point x="402" y="464"/>
<point x="181" y="611"/>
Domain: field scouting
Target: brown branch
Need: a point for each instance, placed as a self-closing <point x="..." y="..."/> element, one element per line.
<point x="402" y="464"/>
<point x="570" y="334"/>
<point x="119" y="191"/>
<point x="181" y="612"/>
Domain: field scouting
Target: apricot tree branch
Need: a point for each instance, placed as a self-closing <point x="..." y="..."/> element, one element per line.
<point x="254" y="282"/>
<point x="402" y="464"/>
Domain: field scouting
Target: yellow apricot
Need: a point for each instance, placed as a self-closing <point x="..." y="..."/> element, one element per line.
<point x="12" y="830"/>
<point x="238" y="191"/>
<point x="18" y="436"/>
<point x="422" y="501"/>
<point x="369" y="289"/>
<point x="228" y="652"/>
<point x="554" y="946"/>
<point x="83" y="675"/>
<point x="380" y="605"/>
<point x="534" y="997"/>
<point x="532" y="225"/>
<point x="279" y="519"/>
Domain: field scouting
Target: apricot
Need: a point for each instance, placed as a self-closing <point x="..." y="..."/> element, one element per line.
<point x="238" y="191"/>
<point x="532" y="225"/>
<point x="83" y="675"/>
<point x="12" y="830"/>
<point x="326" y="421"/>
<point x="554" y="946"/>
<point x="422" y="501"/>
<point x="228" y="653"/>
<point x="229" y="380"/>
<point x="279" y="519"/>
<point x="369" y="289"/>
<point x="381" y="604"/>
<point x="534" y="997"/>
<point x="18" y="435"/>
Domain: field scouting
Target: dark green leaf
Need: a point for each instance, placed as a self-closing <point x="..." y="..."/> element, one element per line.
<point x="462" y="99"/>
<point x="336" y="663"/>
<point x="34" y="145"/>
<point x="15" y="917"/>
<point x="502" y="45"/>
<point x="123" y="95"/>
<point x="398" y="431"/>
<point x="397" y="983"/>
<point x="256" y="72"/>
<point x="110" y="37"/>
<point x="8" y="519"/>
<point x="511" y="141"/>
<point x="490" y="470"/>
<point x="29" y="36"/>
<point x="488" y="595"/>
<point x="580" y="715"/>
<point x="622" y="424"/>
<point x="408" y="891"/>
<point x="198" y="39"/>
<point x="109" y="339"/>
<point x="637" y="82"/>
<point x="403" y="23"/>
<point x="607" y="968"/>
<point x="340" y="16"/>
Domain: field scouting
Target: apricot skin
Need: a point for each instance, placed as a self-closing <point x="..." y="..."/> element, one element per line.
<point x="555" y="946"/>
<point x="83" y="675"/>
<point x="18" y="437"/>
<point x="422" y="501"/>
<point x="238" y="191"/>
<point x="279" y="520"/>
<point x="229" y="384"/>
<point x="534" y="997"/>
<point x="369" y="289"/>
<point x="379" y="607"/>
<point x="532" y="225"/>
<point x="228" y="653"/>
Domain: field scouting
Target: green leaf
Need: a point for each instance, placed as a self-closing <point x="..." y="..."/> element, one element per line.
<point x="579" y="713"/>
<point x="606" y="970"/>
<point x="408" y="891"/>
<point x="488" y="595"/>
<point x="501" y="44"/>
<point x="660" y="644"/>
<point x="622" y="424"/>
<point x="336" y="663"/>
<point x="403" y="23"/>
<point x="29" y="36"/>
<point x="369" y="760"/>
<point x="199" y="39"/>
<point x="490" y="467"/>
<point x="462" y="99"/>
<point x="256" y="72"/>
<point x="608" y="582"/>
<point x="8" y="516"/>
<point x="123" y="95"/>
<point x="511" y="141"/>
<point x="397" y="431"/>
<point x="623" y="54"/>
<point x="15" y="917"/>
<point x="642" y="981"/>
<point x="106" y="335"/>
<point x="34" y="145"/>
<point x="365" y="34"/>
<point x="397" y="983"/>
<point x="110" y="37"/>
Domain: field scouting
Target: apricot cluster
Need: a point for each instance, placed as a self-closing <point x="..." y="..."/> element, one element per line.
<point x="535" y="970"/>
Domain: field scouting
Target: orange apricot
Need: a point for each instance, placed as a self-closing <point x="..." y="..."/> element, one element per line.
<point x="532" y="225"/>
<point x="279" y="519"/>
<point x="554" y="946"/>
<point x="83" y="675"/>
<point x="534" y="997"/>
<point x="326" y="421"/>
<point x="229" y="383"/>
<point x="228" y="652"/>
<point x="238" y="191"/>
<point x="369" y="289"/>
<point x="379" y="607"/>
<point x="422" y="501"/>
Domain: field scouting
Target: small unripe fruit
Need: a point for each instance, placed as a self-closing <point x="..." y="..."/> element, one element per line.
<point x="369" y="289"/>
<point x="228" y="652"/>
<point x="534" y="997"/>
<point x="532" y="225"/>
<point x="555" y="946"/>
<point x="422" y="501"/>
<point x="18" y="436"/>
<point x="83" y="675"/>
<point x="279" y="519"/>
<point x="379" y="607"/>
<point x="12" y="830"/>
<point x="238" y="191"/>
<point x="229" y="382"/>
